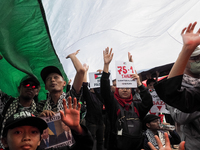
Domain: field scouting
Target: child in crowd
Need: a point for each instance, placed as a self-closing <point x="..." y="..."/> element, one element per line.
<point x="23" y="130"/>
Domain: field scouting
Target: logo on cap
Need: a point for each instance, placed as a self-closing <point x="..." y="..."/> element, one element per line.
<point x="23" y="114"/>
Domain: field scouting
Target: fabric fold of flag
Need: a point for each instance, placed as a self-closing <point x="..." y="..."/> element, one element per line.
<point x="25" y="44"/>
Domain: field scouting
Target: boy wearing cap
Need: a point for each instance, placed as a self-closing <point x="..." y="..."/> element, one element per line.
<point x="54" y="83"/>
<point x="23" y="130"/>
<point x="152" y="125"/>
<point x="28" y="90"/>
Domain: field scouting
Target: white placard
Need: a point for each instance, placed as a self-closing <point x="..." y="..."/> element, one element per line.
<point x="158" y="104"/>
<point x="123" y="74"/>
<point x="95" y="78"/>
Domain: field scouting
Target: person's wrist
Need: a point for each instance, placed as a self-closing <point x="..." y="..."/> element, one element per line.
<point x="188" y="49"/>
<point x="78" y="129"/>
<point x="106" y="64"/>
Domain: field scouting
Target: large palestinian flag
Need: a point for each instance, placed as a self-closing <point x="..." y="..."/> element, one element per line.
<point x="150" y="30"/>
<point x="25" y="44"/>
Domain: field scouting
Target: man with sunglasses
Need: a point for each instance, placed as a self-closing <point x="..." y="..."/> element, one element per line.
<point x="28" y="91"/>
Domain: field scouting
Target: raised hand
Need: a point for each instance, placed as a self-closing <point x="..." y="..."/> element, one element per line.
<point x="136" y="77"/>
<point x="71" y="115"/>
<point x="182" y="146"/>
<point x="75" y="53"/>
<point x="80" y="71"/>
<point x="167" y="144"/>
<point x="190" y="39"/>
<point x="190" y="42"/>
<point x="130" y="58"/>
<point x="99" y="70"/>
<point x="86" y="67"/>
<point x="69" y="82"/>
<point x="107" y="55"/>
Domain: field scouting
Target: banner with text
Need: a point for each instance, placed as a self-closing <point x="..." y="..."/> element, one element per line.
<point x="123" y="74"/>
<point x="158" y="104"/>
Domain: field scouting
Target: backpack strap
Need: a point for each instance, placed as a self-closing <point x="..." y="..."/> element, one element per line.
<point x="124" y="115"/>
<point x="122" y="121"/>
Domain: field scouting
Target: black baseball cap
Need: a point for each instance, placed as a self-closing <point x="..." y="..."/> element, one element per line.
<point x="24" y="118"/>
<point x="148" y="118"/>
<point x="150" y="80"/>
<point x="30" y="78"/>
<point x="48" y="70"/>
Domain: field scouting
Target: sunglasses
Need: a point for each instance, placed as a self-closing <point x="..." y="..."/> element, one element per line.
<point x="27" y="85"/>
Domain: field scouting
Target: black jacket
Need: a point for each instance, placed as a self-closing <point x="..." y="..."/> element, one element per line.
<point x="186" y="99"/>
<point x="112" y="106"/>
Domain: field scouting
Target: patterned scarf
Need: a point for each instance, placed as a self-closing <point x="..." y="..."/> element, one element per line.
<point x="152" y="139"/>
<point x="47" y="105"/>
<point x="195" y="82"/>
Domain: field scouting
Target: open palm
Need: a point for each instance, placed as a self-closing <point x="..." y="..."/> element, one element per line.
<point x="107" y="55"/>
<point x="189" y="38"/>
<point x="71" y="115"/>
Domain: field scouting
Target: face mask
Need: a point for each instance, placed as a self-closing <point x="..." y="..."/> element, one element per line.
<point x="195" y="67"/>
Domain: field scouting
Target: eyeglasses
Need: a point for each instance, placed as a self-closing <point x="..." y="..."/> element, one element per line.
<point x="27" y="85"/>
<point x="195" y="58"/>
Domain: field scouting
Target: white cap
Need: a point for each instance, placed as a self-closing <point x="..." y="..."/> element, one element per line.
<point x="196" y="52"/>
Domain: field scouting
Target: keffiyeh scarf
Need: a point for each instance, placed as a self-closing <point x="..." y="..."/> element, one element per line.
<point x="47" y="105"/>
<point x="13" y="108"/>
<point x="195" y="82"/>
<point x="152" y="139"/>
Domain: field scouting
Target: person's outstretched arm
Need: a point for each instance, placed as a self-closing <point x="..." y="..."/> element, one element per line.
<point x="190" y="42"/>
<point x="78" y="80"/>
<point x="107" y="55"/>
<point x="106" y="94"/>
<point x="86" y="67"/>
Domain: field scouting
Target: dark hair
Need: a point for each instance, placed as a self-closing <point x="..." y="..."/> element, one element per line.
<point x="150" y="80"/>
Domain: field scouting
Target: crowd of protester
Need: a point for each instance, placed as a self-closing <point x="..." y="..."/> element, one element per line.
<point x="107" y="117"/>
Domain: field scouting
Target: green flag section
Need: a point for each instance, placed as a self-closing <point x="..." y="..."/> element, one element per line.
<point x="25" y="44"/>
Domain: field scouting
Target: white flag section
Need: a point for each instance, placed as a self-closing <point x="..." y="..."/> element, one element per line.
<point x="149" y="29"/>
<point x="158" y="104"/>
<point x="95" y="78"/>
<point x="123" y="75"/>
